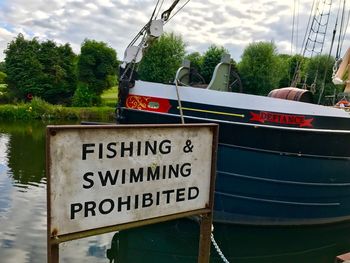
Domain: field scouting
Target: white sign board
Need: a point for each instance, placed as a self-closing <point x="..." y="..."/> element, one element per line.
<point x="109" y="175"/>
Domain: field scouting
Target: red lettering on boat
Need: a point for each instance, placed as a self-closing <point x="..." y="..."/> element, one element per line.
<point x="288" y="119"/>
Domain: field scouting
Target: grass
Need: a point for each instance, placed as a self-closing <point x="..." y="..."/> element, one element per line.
<point x="41" y="110"/>
<point x="109" y="97"/>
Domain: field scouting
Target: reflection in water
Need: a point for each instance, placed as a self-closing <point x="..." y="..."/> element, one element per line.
<point x="23" y="223"/>
<point x="25" y="152"/>
<point x="23" y="201"/>
<point x="177" y="241"/>
<point x="5" y="185"/>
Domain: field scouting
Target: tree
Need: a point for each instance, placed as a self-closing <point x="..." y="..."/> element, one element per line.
<point x="318" y="69"/>
<point x="22" y="67"/>
<point x="2" y="66"/>
<point x="259" y="68"/>
<point x="97" y="66"/>
<point x="210" y="59"/>
<point x="196" y="60"/>
<point x="45" y="70"/>
<point x="162" y="59"/>
<point x="284" y="63"/>
<point x="58" y="77"/>
<point x="2" y="77"/>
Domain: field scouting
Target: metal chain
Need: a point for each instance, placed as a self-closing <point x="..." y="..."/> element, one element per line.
<point x="224" y="259"/>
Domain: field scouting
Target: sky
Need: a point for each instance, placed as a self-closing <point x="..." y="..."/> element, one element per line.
<point x="201" y="23"/>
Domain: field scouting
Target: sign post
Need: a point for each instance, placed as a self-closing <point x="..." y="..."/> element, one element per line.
<point x="108" y="178"/>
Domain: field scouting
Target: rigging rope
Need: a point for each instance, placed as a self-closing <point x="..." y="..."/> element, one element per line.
<point x="346" y="27"/>
<point x="293" y="22"/>
<point x="177" y="11"/>
<point x="160" y="7"/>
<point x="297" y="33"/>
<point x="296" y="75"/>
<point x="302" y="50"/>
<point x="154" y="10"/>
<point x="329" y="56"/>
<point x="341" y="30"/>
<point x="314" y="38"/>
<point x="313" y="85"/>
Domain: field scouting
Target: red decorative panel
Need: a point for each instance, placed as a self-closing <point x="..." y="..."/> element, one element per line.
<point x="148" y="103"/>
<point x="269" y="117"/>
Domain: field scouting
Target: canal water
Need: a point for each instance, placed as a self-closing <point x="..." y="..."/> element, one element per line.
<point x="23" y="223"/>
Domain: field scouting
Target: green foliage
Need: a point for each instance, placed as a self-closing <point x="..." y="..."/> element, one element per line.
<point x="284" y="64"/>
<point x="97" y="66"/>
<point x="162" y="59"/>
<point x="3" y="87"/>
<point x="22" y="66"/>
<point x="288" y="67"/>
<point x="39" y="109"/>
<point x="109" y="97"/>
<point x="209" y="61"/>
<point x="319" y="68"/>
<point x="112" y="80"/>
<point x="4" y="95"/>
<point x="2" y="66"/>
<point x="196" y="60"/>
<point x="2" y="77"/>
<point x="42" y="69"/>
<point x="259" y="68"/>
<point x="83" y="96"/>
<point x="58" y="77"/>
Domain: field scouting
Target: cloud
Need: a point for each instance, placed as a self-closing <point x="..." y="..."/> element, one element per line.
<point x="232" y="24"/>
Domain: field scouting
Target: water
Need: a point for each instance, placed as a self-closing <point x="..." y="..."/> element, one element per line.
<point x="23" y="201"/>
<point x="23" y="223"/>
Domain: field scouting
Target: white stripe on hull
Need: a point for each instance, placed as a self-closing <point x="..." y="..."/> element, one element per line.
<point x="236" y="100"/>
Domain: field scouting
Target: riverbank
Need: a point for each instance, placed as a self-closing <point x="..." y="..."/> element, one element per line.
<point x="38" y="109"/>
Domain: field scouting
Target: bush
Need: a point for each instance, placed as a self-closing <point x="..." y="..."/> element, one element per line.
<point x="41" y="110"/>
<point x="84" y="97"/>
<point x="2" y="77"/>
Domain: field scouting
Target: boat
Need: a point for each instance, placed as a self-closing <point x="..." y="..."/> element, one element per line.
<point x="177" y="242"/>
<point x="281" y="159"/>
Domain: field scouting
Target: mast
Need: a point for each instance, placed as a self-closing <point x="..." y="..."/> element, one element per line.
<point x="133" y="55"/>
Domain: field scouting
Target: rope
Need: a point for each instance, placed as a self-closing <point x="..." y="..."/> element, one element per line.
<point x="341" y="30"/>
<point x="302" y="51"/>
<point x="296" y="75"/>
<point x="313" y="85"/>
<point x="293" y="22"/>
<point x="329" y="56"/>
<point x="216" y="246"/>
<point x="315" y="35"/>
<point x="177" y="11"/>
<point x="179" y="102"/>
<point x="160" y="7"/>
<point x="154" y="10"/>
<point x="297" y="22"/>
<point x="346" y="27"/>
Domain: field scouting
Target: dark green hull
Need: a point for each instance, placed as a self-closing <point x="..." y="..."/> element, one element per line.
<point x="177" y="241"/>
